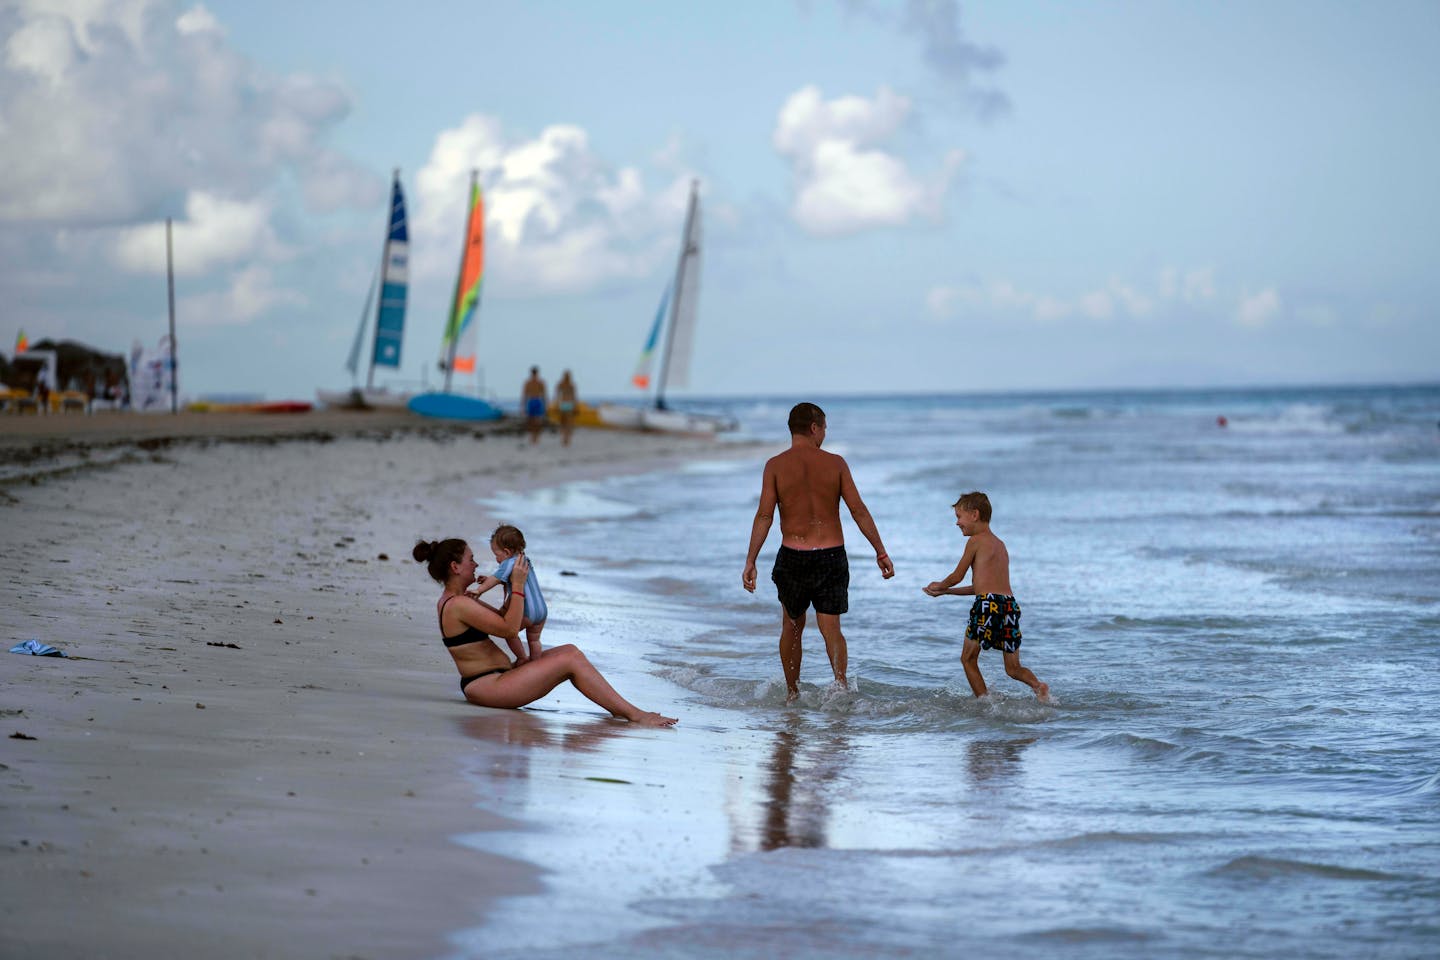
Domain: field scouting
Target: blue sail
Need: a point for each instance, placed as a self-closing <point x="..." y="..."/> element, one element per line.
<point x="394" y="284"/>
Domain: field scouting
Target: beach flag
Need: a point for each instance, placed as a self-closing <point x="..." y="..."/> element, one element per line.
<point x="22" y="342"/>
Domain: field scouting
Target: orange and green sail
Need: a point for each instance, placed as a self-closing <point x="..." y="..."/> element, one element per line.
<point x="457" y="348"/>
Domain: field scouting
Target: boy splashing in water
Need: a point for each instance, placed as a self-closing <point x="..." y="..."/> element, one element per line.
<point x="994" y="616"/>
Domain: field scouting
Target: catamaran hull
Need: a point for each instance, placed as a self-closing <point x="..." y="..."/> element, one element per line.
<point x="674" y="421"/>
<point x="358" y="399"/>
<point x="621" y="416"/>
<point x="451" y="406"/>
<point x="662" y="421"/>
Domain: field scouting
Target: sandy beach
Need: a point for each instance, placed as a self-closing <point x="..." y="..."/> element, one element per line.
<point x="255" y="747"/>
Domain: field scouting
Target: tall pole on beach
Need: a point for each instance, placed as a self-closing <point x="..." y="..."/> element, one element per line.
<point x="170" y="283"/>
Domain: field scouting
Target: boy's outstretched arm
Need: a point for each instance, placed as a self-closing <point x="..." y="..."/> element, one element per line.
<point x="942" y="587"/>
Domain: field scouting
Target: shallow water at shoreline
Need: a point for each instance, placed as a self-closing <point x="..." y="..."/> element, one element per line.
<point x="1239" y="625"/>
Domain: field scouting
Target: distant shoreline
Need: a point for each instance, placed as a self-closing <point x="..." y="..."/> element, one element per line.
<point x="107" y="426"/>
<point x="34" y="448"/>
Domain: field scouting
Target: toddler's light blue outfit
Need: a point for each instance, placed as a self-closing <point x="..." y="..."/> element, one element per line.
<point x="535" y="609"/>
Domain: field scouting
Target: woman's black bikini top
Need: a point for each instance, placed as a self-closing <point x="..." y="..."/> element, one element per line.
<point x="471" y="635"/>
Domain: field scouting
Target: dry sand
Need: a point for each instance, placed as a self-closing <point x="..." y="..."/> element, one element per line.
<point x="254" y="747"/>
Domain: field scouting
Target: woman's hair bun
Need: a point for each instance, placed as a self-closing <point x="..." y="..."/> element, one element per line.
<point x="424" y="550"/>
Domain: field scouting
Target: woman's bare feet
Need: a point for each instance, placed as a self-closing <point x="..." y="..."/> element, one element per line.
<point x="648" y="718"/>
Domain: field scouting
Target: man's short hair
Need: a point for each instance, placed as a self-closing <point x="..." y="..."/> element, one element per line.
<point x="805" y="415"/>
<point x="977" y="501"/>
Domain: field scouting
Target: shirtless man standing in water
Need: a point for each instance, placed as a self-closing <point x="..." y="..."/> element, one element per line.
<point x="811" y="566"/>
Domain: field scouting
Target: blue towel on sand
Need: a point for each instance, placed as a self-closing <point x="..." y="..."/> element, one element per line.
<point x="37" y="648"/>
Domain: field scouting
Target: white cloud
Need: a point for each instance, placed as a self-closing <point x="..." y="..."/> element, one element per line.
<point x="44" y="47"/>
<point x="250" y="292"/>
<point x="845" y="181"/>
<point x="198" y="20"/>
<point x="114" y="110"/>
<point x="1193" y="285"/>
<point x="559" y="219"/>
<point x="952" y="56"/>
<point x="1258" y="309"/>
<point x="1319" y="315"/>
<point x="1131" y="300"/>
<point x="1116" y="300"/>
<point x="215" y="232"/>
<point x="941" y="302"/>
<point x="954" y="59"/>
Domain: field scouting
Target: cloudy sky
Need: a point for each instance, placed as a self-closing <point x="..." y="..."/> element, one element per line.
<point x="898" y="194"/>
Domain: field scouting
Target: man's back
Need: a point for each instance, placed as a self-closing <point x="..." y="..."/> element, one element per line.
<point x="808" y="489"/>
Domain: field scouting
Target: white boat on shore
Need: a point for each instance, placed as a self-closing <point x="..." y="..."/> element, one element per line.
<point x="365" y="398"/>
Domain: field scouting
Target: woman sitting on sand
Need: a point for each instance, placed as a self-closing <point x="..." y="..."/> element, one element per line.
<point x="486" y="677"/>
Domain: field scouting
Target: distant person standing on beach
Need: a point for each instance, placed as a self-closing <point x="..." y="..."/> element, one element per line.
<point x="42" y="389"/>
<point x="994" y="616"/>
<point x="569" y="403"/>
<point x="811" y="566"/>
<point x="532" y="400"/>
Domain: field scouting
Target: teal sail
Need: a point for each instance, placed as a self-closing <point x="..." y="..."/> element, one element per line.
<point x="394" y="286"/>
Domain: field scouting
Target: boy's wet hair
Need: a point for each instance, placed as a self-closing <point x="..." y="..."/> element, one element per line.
<point x="805" y="415"/>
<point x="508" y="538"/>
<point x="974" y="500"/>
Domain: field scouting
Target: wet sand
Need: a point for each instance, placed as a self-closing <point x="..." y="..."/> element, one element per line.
<point x="256" y="745"/>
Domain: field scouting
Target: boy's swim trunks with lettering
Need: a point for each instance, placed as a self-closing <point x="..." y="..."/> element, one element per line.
<point x="806" y="577"/>
<point x="995" y="622"/>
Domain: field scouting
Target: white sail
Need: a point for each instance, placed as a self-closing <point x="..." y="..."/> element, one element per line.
<point x="687" y="298"/>
<point x="683" y="295"/>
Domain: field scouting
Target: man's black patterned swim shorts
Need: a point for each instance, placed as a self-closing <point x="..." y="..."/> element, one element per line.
<point x="818" y="577"/>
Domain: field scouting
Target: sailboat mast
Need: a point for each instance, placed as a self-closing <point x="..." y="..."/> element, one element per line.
<point x="352" y="362"/>
<point x="384" y="259"/>
<point x="455" y="308"/>
<point x="686" y="250"/>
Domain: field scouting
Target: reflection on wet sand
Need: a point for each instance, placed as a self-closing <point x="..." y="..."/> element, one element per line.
<point x="530" y="729"/>
<point x="513" y="739"/>
<point x="993" y="762"/>
<point x="799" y="777"/>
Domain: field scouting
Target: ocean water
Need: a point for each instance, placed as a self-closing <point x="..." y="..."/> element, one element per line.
<point x="1240" y="627"/>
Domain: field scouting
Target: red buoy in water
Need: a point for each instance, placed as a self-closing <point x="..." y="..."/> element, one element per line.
<point x="1220" y="421"/>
